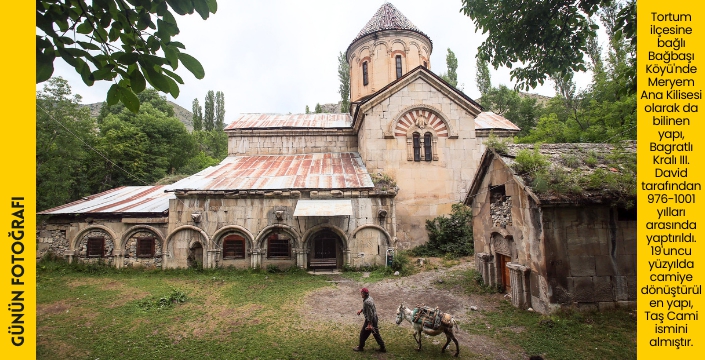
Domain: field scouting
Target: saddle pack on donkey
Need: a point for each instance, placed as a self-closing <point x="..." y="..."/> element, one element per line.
<point x="430" y="318"/>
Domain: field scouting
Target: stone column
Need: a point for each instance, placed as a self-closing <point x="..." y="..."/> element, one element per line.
<point x="346" y="257"/>
<point x="256" y="259"/>
<point x="119" y="258"/>
<point x="300" y="257"/>
<point x="409" y="149"/>
<point x="520" y="285"/>
<point x="69" y="255"/>
<point x="211" y="258"/>
<point x="483" y="266"/>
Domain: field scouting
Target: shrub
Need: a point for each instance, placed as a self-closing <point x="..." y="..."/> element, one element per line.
<point x="497" y="144"/>
<point x="401" y="263"/>
<point x="530" y="162"/>
<point x="449" y="235"/>
<point x="176" y="296"/>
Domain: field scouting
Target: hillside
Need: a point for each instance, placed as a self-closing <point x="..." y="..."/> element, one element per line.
<point x="182" y="114"/>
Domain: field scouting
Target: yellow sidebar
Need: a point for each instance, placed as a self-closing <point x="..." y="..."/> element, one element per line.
<point x="18" y="320"/>
<point x="671" y="159"/>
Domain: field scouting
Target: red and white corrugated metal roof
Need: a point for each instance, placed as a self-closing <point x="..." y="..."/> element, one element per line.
<point x="281" y="172"/>
<point x="305" y="121"/>
<point x="489" y="120"/>
<point x="125" y="199"/>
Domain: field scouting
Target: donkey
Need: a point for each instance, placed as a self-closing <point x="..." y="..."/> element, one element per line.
<point x="404" y="313"/>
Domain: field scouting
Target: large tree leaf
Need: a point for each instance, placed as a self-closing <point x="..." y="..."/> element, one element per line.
<point x="129" y="99"/>
<point x="193" y="65"/>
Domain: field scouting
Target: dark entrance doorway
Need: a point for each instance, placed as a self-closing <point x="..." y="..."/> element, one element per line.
<point x="504" y="270"/>
<point x="324" y="250"/>
<point x="195" y="256"/>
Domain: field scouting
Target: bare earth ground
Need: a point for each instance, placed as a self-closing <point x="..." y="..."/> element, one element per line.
<point x="341" y="303"/>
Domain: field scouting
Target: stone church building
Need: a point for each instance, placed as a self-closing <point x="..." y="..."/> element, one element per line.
<point x="307" y="190"/>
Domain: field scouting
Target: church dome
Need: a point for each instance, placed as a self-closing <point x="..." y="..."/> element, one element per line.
<point x="384" y="50"/>
<point x="388" y="18"/>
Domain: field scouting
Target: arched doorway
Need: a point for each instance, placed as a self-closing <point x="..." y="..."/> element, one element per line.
<point x="195" y="256"/>
<point x="325" y="250"/>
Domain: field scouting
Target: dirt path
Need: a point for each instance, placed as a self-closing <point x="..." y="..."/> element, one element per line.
<point x="340" y="303"/>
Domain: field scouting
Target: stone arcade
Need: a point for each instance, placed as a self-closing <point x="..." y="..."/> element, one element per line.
<point x="307" y="190"/>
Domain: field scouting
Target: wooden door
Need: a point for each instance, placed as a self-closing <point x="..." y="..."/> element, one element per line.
<point x="503" y="260"/>
<point x="324" y="247"/>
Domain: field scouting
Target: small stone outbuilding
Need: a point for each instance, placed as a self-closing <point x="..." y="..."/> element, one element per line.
<point x="565" y="239"/>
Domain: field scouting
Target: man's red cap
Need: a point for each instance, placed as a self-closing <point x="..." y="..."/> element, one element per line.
<point x="364" y="291"/>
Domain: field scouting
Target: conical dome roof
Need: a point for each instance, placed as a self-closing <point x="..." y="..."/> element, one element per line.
<point x="388" y="18"/>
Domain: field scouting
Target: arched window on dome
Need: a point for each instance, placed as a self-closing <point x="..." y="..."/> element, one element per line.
<point x="398" y="60"/>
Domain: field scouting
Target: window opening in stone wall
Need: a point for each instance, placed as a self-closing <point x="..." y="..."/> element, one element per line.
<point x="428" y="153"/>
<point x="417" y="147"/>
<point x="365" y="80"/>
<point x="425" y="64"/>
<point x="233" y="247"/>
<point x="500" y="207"/>
<point x="145" y="247"/>
<point x="398" y="58"/>
<point x="626" y="214"/>
<point x="278" y="246"/>
<point x="95" y="246"/>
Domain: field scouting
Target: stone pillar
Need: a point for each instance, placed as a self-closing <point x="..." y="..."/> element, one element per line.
<point x="484" y="267"/>
<point x="301" y="256"/>
<point x="119" y="258"/>
<point x="346" y="257"/>
<point x="256" y="259"/>
<point x="409" y="149"/>
<point x="69" y="255"/>
<point x="521" y="295"/>
<point x="211" y="258"/>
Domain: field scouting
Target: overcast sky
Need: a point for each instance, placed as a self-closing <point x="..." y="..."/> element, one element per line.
<point x="276" y="56"/>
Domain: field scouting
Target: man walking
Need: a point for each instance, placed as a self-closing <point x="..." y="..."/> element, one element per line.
<point x="370" y="325"/>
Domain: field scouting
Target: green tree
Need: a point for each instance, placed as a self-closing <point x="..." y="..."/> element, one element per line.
<point x="141" y="148"/>
<point x="318" y="109"/>
<point x="209" y="113"/>
<point x="451" y="76"/>
<point x="548" y="37"/>
<point x="151" y="96"/>
<point x="197" y="115"/>
<point x="521" y="110"/>
<point x="482" y="77"/>
<point x="219" y="111"/>
<point x="126" y="42"/>
<point x="344" y="77"/>
<point x="307" y="110"/>
<point x="65" y="132"/>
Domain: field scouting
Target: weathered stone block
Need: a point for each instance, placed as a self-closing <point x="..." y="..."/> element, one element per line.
<point x="582" y="265"/>
<point x="582" y="289"/>
<point x="603" y="288"/>
<point x="605" y="266"/>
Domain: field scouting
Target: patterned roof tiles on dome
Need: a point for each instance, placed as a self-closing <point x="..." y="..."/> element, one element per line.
<point x="388" y="18"/>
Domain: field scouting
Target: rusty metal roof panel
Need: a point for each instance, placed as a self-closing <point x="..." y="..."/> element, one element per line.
<point x="301" y="121"/>
<point x="281" y="172"/>
<point x="122" y="200"/>
<point x="489" y="120"/>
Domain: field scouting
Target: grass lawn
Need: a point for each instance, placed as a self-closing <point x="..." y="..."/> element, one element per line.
<point x="90" y="312"/>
